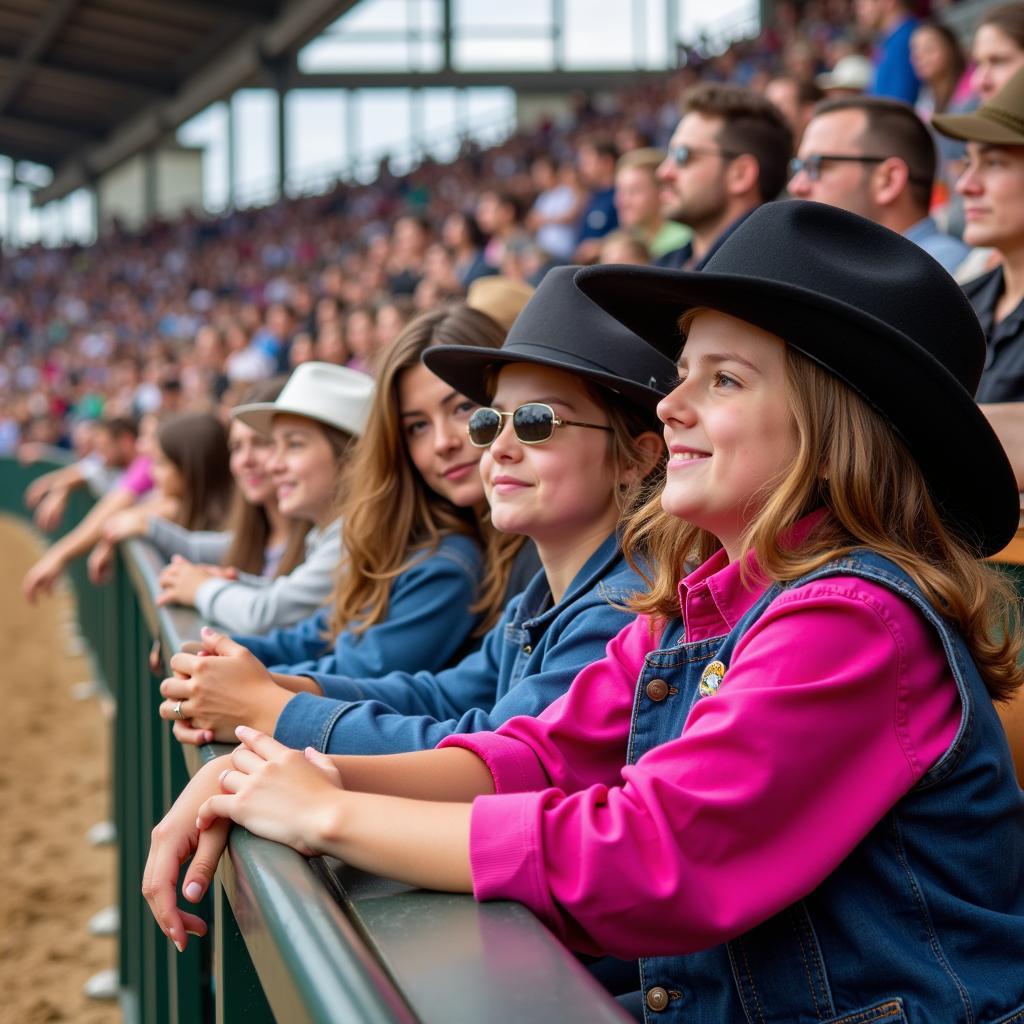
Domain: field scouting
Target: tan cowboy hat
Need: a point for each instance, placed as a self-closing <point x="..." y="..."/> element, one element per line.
<point x="499" y="297"/>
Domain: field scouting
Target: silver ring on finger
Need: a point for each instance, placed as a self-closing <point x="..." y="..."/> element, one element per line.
<point x="177" y="711"/>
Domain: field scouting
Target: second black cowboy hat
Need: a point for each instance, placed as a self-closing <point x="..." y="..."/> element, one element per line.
<point x="561" y="328"/>
<point x="869" y="306"/>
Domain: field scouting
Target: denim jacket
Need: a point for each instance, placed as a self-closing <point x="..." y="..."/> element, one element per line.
<point x="428" y="622"/>
<point x="527" y="659"/>
<point x="923" y="923"/>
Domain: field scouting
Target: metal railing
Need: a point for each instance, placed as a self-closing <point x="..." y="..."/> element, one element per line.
<point x="293" y="940"/>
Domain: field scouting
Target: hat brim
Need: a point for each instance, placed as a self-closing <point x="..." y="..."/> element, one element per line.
<point x="952" y="441"/>
<point x="257" y="415"/>
<point x="977" y="128"/>
<point x="469" y="371"/>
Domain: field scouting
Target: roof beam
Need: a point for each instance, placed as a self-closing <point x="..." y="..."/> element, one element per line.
<point x="241" y="64"/>
<point x="76" y="78"/>
<point x="521" y="81"/>
<point x="263" y="10"/>
<point x="34" y="48"/>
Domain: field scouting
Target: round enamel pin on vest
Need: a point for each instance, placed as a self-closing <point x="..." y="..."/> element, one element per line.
<point x="710" y="679"/>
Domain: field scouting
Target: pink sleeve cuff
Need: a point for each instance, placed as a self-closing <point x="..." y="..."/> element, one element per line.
<point x="505" y="851"/>
<point x="512" y="764"/>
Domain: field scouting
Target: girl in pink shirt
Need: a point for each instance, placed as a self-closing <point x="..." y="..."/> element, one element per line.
<point x="784" y="790"/>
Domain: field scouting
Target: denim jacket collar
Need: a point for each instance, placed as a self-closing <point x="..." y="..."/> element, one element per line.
<point x="536" y="612"/>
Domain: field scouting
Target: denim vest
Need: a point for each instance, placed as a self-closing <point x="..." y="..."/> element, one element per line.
<point x="923" y="922"/>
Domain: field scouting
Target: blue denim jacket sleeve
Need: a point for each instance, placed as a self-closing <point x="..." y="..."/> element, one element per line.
<point x="306" y="640"/>
<point x="428" y="623"/>
<point x="460" y="700"/>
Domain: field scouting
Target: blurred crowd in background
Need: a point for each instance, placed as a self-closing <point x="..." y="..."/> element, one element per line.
<point x="186" y="315"/>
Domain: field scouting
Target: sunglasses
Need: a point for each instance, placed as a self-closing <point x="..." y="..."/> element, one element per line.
<point x="533" y="423"/>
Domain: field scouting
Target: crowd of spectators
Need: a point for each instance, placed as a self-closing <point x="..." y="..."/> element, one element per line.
<point x="186" y="315"/>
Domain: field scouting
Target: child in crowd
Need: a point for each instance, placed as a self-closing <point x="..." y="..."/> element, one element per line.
<point x="408" y="595"/>
<point x="187" y="464"/>
<point x="563" y="482"/>
<point x="785" y="788"/>
<point x="311" y="426"/>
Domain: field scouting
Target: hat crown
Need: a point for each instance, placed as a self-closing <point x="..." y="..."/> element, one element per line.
<point x="330" y="394"/>
<point x="1007" y="105"/>
<point x="857" y="267"/>
<point x="559" y="321"/>
<point x="562" y="328"/>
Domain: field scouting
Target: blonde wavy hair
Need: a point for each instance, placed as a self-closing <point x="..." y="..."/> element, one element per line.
<point x="850" y="461"/>
<point x="381" y="486"/>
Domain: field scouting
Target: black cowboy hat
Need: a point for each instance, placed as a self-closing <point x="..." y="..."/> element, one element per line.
<point x="869" y="306"/>
<point x="560" y="327"/>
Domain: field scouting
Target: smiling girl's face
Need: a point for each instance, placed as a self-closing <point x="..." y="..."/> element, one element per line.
<point x="728" y="426"/>
<point x="304" y="469"/>
<point x="250" y="453"/>
<point x="434" y="421"/>
<point x="563" y="489"/>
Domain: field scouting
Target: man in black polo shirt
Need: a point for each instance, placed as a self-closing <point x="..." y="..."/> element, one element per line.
<point x="992" y="187"/>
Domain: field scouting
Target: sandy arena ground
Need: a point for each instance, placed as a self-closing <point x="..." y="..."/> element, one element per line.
<point x="53" y="786"/>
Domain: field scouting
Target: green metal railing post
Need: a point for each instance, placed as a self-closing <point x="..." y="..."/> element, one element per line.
<point x="239" y="996"/>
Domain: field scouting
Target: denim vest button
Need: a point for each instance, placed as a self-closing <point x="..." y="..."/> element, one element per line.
<point x="657" y="690"/>
<point x="657" y="999"/>
<point x="527" y="649"/>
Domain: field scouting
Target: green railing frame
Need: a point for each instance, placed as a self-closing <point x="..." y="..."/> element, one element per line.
<point x="294" y="940"/>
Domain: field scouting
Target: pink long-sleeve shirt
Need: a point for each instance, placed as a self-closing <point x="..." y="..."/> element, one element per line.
<point x="835" y="702"/>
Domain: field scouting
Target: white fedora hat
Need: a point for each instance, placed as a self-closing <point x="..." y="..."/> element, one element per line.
<point x="323" y="392"/>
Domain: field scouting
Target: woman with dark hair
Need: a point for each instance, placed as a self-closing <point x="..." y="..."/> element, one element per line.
<point x="941" y="68"/>
<point x="463" y="238"/>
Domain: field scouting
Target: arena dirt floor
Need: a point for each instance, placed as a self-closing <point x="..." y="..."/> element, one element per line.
<point x="53" y="787"/>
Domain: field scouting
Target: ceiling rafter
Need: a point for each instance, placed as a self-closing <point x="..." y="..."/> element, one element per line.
<point x="54" y="18"/>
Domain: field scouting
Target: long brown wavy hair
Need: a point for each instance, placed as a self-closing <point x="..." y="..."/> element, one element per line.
<point x="248" y="524"/>
<point x="390" y="517"/>
<point x="850" y="461"/>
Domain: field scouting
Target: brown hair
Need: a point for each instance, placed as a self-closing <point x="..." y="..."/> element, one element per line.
<point x="751" y="124"/>
<point x="893" y="129"/>
<point x="386" y="488"/>
<point x="957" y="60"/>
<point x="197" y="444"/>
<point x="1009" y="19"/>
<point x="851" y="462"/>
<point x="249" y="525"/>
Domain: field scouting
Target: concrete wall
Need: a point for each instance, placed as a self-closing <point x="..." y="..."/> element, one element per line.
<point x="123" y="192"/>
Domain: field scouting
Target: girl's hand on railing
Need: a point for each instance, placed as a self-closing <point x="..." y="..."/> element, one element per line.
<point x="223" y="687"/>
<point x="100" y="564"/>
<point x="274" y="792"/>
<point x="180" y="581"/>
<point x="174" y="840"/>
<point x="132" y="522"/>
<point x="50" y="509"/>
<point x="39" y="580"/>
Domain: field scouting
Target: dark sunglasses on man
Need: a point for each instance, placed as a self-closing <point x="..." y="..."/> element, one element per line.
<point x="533" y="423"/>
